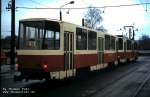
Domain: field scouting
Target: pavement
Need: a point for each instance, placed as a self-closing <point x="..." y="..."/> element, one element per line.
<point x="5" y="69"/>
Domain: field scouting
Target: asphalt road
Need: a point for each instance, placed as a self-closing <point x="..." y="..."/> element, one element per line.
<point x="124" y="81"/>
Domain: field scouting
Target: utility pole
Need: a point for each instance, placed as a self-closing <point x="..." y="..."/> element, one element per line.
<point x="13" y="33"/>
<point x="0" y="19"/>
<point x="11" y="6"/>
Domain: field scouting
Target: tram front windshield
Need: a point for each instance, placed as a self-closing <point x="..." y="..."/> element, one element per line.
<point x="39" y="35"/>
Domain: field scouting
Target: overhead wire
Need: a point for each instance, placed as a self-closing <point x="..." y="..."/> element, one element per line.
<point x="109" y="6"/>
<point x="145" y="8"/>
<point x="146" y="11"/>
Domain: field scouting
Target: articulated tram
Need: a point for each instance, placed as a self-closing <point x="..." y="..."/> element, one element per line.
<point x="53" y="49"/>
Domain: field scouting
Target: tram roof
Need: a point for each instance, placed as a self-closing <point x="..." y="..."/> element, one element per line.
<point x="40" y="19"/>
<point x="44" y="19"/>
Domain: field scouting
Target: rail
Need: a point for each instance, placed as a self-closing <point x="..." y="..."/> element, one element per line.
<point x="144" y="52"/>
<point x="141" y="87"/>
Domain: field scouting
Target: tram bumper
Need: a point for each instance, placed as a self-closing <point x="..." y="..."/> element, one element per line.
<point x="18" y="76"/>
<point x="30" y="74"/>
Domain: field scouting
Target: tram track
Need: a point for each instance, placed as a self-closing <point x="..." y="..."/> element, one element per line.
<point x="132" y="70"/>
<point x="141" y="86"/>
<point x="102" y="91"/>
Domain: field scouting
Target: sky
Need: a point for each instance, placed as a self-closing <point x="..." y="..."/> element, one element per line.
<point x="113" y="18"/>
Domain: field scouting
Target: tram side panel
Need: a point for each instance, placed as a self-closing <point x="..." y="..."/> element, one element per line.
<point x="121" y="48"/>
<point x="85" y="60"/>
<point x="110" y="57"/>
<point x="121" y="56"/>
<point x="129" y="51"/>
<point x="110" y="53"/>
<point x="85" y="54"/>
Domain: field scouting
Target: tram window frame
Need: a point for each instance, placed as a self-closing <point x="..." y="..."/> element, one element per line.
<point x="54" y="27"/>
<point x="81" y="39"/>
<point x="41" y="28"/>
<point x="50" y="41"/>
<point x="120" y="43"/>
<point x="92" y="40"/>
<point x="128" y="44"/>
<point x="107" y="42"/>
<point x="132" y="45"/>
<point x="31" y="40"/>
<point x="125" y="45"/>
<point x="112" y="42"/>
<point x="135" y="45"/>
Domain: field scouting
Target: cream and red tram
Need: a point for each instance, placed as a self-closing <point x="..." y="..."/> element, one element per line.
<point x="127" y="49"/>
<point x="56" y="50"/>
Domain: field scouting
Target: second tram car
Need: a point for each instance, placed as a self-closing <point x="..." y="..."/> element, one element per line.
<point x="56" y="50"/>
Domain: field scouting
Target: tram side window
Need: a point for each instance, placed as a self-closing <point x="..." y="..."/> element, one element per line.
<point x="107" y="42"/>
<point x="21" y="38"/>
<point x="120" y="45"/>
<point x="135" y="45"/>
<point x="112" y="46"/>
<point x="39" y="35"/>
<point x="92" y="40"/>
<point x="52" y="40"/>
<point x="125" y="45"/>
<point x="132" y="46"/>
<point x="31" y="40"/>
<point x="81" y="39"/>
<point x="128" y="45"/>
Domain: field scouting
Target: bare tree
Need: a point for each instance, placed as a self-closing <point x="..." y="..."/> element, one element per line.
<point x="93" y="18"/>
<point x="101" y="28"/>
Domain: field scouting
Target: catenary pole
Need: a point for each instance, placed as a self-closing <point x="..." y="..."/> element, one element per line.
<point x="12" y="33"/>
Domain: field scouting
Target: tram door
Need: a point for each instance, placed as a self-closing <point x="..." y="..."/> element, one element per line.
<point x="100" y="50"/>
<point x="68" y="50"/>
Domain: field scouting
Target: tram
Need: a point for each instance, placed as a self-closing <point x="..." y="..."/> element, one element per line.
<point x="54" y="49"/>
